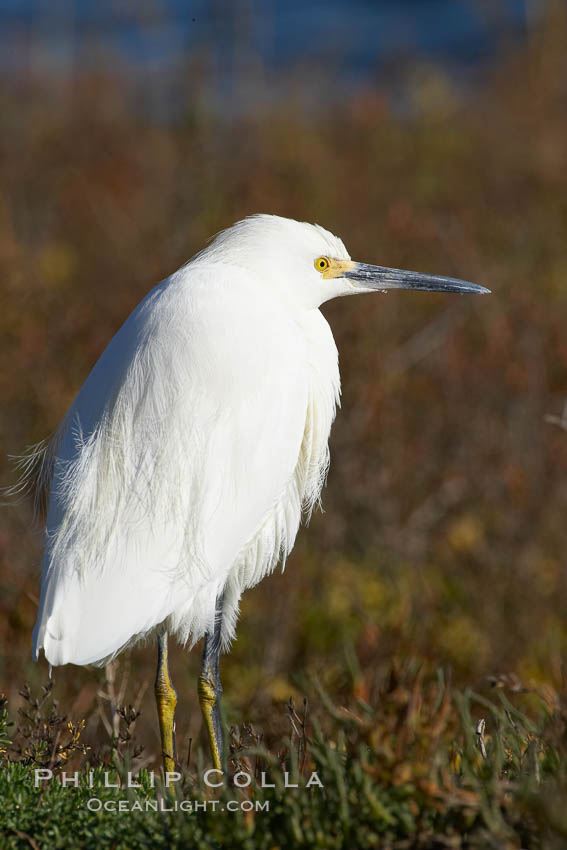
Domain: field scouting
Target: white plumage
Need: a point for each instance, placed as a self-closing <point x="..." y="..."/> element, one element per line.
<point x="183" y="466"/>
<point x="184" y="462"/>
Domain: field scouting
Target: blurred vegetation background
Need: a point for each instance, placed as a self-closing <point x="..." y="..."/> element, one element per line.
<point x="444" y="534"/>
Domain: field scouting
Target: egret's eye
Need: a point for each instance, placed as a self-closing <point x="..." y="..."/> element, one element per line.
<point x="322" y="264"/>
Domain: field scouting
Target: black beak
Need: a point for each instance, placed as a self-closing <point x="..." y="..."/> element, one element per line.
<point x="382" y="278"/>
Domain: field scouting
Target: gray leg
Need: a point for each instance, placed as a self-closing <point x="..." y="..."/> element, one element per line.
<point x="210" y="688"/>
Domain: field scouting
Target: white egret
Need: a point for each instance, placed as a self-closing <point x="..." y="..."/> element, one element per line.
<point x="179" y="475"/>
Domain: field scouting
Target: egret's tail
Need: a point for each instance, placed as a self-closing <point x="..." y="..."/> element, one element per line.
<point x="87" y="619"/>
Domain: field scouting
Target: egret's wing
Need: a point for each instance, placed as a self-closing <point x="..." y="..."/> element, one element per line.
<point x="181" y="442"/>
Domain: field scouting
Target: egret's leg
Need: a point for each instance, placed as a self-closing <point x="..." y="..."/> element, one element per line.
<point x="210" y="688"/>
<point x="166" y="699"/>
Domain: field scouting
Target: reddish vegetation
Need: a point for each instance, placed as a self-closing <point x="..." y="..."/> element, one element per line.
<point x="444" y="535"/>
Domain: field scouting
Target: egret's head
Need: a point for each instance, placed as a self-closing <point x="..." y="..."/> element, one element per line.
<point x="310" y="265"/>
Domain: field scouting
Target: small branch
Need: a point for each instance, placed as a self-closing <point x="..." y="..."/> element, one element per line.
<point x="480" y="728"/>
<point x="558" y="421"/>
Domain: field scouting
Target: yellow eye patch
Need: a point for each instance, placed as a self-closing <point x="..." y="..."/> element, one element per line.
<point x="330" y="268"/>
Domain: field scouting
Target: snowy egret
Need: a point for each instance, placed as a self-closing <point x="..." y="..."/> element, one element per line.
<point x="180" y="473"/>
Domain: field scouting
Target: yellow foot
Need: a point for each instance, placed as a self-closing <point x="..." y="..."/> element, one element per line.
<point x="166" y="699"/>
<point x="208" y="702"/>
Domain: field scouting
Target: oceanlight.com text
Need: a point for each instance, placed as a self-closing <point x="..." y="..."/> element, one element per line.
<point x="95" y="804"/>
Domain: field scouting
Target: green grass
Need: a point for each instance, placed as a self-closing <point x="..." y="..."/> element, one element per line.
<point x="417" y="771"/>
<point x="444" y="532"/>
